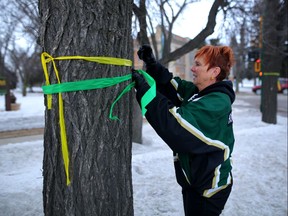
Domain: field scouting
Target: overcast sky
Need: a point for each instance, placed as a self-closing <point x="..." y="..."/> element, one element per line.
<point x="194" y="19"/>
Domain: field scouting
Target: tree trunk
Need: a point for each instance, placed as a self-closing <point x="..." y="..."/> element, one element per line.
<point x="8" y="96"/>
<point x="270" y="62"/>
<point x="269" y="99"/>
<point x="137" y="122"/>
<point x="24" y="89"/>
<point x="99" y="148"/>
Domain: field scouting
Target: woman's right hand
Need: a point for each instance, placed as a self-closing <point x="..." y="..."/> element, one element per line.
<point x="145" y="53"/>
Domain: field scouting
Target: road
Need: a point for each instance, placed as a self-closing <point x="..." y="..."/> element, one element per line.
<point x="21" y="136"/>
<point x="251" y="99"/>
<point x="282" y="104"/>
<point x="255" y="100"/>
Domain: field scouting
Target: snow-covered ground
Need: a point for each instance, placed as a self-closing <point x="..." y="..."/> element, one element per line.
<point x="260" y="166"/>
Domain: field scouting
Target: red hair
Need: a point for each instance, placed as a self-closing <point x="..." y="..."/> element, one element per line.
<point x="217" y="56"/>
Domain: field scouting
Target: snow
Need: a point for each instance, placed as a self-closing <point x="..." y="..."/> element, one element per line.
<point x="259" y="165"/>
<point x="30" y="115"/>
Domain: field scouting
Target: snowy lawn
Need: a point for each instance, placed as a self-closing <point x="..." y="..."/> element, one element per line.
<point x="259" y="167"/>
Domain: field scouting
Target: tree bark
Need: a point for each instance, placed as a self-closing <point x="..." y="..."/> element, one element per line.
<point x="99" y="148"/>
<point x="270" y="62"/>
<point x="137" y="122"/>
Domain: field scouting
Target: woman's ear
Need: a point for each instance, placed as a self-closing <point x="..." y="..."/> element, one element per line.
<point x="216" y="71"/>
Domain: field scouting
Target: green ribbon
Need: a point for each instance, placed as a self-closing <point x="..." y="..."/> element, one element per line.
<point x="104" y="83"/>
<point x="84" y="84"/>
<point x="150" y="94"/>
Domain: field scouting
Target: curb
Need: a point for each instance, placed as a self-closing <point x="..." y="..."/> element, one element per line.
<point x="21" y="133"/>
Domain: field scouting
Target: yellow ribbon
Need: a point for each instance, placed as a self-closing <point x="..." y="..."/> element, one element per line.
<point x="45" y="59"/>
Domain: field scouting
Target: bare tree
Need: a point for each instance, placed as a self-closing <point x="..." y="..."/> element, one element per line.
<point x="167" y="12"/>
<point x="167" y="23"/>
<point x="27" y="66"/>
<point x="7" y="31"/>
<point x="141" y="13"/>
<point x="99" y="148"/>
<point x="25" y="13"/>
<point x="239" y="49"/>
<point x="168" y="56"/>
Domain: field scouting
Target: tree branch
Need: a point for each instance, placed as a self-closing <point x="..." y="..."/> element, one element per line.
<point x="192" y="44"/>
<point x="141" y="13"/>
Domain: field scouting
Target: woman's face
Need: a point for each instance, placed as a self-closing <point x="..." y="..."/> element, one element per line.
<point x="202" y="77"/>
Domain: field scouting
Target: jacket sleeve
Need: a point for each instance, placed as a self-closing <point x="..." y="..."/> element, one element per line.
<point x="163" y="80"/>
<point x="179" y="134"/>
<point x="174" y="88"/>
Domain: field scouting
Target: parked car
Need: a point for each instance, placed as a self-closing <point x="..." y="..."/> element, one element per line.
<point x="283" y="87"/>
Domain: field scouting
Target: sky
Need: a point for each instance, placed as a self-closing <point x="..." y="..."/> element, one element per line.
<point x="194" y="19"/>
<point x="259" y="165"/>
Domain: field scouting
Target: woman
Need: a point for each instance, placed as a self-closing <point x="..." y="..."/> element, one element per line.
<point x="194" y="119"/>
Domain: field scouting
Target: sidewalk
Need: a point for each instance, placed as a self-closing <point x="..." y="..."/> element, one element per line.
<point x="8" y="137"/>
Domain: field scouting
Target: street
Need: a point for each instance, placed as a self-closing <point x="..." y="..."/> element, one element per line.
<point x="255" y="100"/>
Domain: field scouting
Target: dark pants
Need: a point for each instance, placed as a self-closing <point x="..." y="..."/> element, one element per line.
<point x="197" y="205"/>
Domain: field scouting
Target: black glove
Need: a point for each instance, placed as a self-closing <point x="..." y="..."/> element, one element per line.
<point x="141" y="84"/>
<point x="154" y="68"/>
<point x="145" y="53"/>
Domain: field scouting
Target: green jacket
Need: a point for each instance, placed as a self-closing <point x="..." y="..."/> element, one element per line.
<point x="198" y="127"/>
